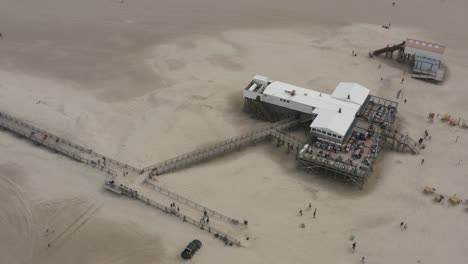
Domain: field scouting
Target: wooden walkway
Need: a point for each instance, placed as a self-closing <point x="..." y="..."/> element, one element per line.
<point x="400" y="142"/>
<point x="195" y="205"/>
<point x="124" y="190"/>
<point x="225" y="146"/>
<point x="115" y="169"/>
<point x="64" y="147"/>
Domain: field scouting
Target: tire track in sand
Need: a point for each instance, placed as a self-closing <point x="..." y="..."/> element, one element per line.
<point x="79" y="222"/>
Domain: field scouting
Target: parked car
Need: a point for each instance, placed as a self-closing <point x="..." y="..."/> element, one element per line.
<point x="191" y="249"/>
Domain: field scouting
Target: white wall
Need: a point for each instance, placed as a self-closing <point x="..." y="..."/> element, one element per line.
<point x="326" y="136"/>
<point x="291" y="105"/>
<point x="423" y="53"/>
<point x="250" y="94"/>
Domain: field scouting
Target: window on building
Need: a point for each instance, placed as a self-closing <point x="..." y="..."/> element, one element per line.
<point x="334" y="135"/>
<point x="287" y="101"/>
<point x="329" y="134"/>
<point x="313" y="129"/>
<point x="323" y="132"/>
<point x="340" y="137"/>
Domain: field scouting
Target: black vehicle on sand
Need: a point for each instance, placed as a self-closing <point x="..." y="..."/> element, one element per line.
<point x="191" y="249"/>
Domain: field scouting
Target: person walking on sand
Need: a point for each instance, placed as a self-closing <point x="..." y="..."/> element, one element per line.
<point x="300" y="212"/>
<point x="405" y="226"/>
<point x="354" y="246"/>
<point x="422" y="161"/>
<point x="315" y="212"/>
<point x="363" y="260"/>
<point x="310" y="205"/>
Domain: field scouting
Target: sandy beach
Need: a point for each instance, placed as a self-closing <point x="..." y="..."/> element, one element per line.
<point x="143" y="81"/>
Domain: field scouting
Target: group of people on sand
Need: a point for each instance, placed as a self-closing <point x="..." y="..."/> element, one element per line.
<point x="310" y="207"/>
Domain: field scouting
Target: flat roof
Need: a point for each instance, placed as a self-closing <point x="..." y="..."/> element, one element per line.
<point x="333" y="120"/>
<point x="335" y="112"/>
<point x="351" y="92"/>
<point x="307" y="97"/>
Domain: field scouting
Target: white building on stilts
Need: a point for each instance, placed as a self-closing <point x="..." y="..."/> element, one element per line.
<point x="334" y="114"/>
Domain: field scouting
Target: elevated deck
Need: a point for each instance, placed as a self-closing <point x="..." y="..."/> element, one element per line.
<point x="427" y="75"/>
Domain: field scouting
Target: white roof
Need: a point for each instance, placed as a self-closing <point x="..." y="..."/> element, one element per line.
<point x="326" y="106"/>
<point x="306" y="96"/>
<point x="357" y="93"/>
<point x="334" y="121"/>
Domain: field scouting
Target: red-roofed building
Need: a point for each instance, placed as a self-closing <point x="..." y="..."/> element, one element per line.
<point x="427" y="59"/>
<point x="424" y="49"/>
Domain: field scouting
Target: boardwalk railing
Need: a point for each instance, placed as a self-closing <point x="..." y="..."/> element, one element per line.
<point x="88" y="156"/>
<point x="393" y="136"/>
<point x="287" y="138"/>
<point x="48" y="145"/>
<point x="219" y="148"/>
<point x="192" y="203"/>
<point x="229" y="240"/>
<point x="26" y="130"/>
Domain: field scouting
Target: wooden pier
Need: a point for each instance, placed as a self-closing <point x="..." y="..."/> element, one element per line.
<point x="63" y="146"/>
<point x="225" y="146"/>
<point x="195" y="205"/>
<point x="121" y="189"/>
